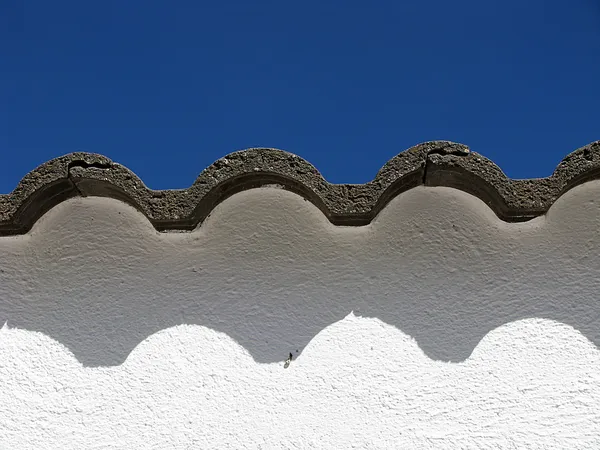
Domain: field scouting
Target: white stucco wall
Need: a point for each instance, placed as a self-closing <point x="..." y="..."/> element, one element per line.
<point x="436" y="326"/>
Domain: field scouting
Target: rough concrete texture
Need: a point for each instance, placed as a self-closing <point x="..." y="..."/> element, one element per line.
<point x="438" y="163"/>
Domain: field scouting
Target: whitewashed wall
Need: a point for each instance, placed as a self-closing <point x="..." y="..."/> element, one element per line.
<point x="436" y="326"/>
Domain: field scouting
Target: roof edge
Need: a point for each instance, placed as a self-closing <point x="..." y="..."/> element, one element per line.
<point x="435" y="163"/>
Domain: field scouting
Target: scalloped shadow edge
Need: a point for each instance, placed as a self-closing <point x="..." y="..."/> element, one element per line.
<point x="412" y="341"/>
<point x="435" y="163"/>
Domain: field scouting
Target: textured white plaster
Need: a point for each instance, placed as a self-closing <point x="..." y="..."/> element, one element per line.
<point x="178" y="340"/>
<point x="359" y="384"/>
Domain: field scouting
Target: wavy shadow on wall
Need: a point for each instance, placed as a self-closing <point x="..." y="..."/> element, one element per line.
<point x="271" y="271"/>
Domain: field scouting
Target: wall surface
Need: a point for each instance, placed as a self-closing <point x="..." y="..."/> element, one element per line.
<point x="436" y="325"/>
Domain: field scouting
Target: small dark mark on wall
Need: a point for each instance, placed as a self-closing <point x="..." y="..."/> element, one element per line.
<point x="288" y="361"/>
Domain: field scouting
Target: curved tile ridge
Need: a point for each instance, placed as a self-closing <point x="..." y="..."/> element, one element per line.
<point x="436" y="163"/>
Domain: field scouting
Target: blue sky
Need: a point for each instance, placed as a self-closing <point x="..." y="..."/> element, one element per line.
<point x="168" y="87"/>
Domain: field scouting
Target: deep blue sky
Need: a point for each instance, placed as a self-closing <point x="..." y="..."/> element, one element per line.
<point x="168" y="87"/>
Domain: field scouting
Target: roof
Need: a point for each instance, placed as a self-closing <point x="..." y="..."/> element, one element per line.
<point x="436" y="163"/>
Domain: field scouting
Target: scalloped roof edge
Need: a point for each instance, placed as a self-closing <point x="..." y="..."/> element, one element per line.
<point x="436" y="163"/>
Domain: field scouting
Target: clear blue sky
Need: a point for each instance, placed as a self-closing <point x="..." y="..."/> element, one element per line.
<point x="168" y="87"/>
